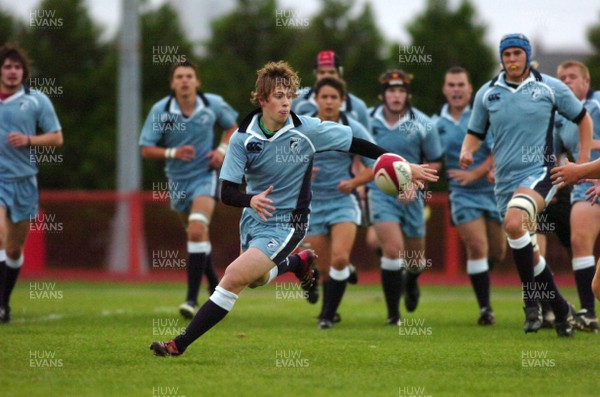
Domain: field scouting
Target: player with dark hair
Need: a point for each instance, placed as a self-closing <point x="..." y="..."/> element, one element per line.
<point x="518" y="108"/>
<point x="180" y="130"/>
<point x="335" y="209"/>
<point x="399" y="225"/>
<point x="27" y="120"/>
<point x="472" y="201"/>
<point x="329" y="64"/>
<point x="273" y="152"/>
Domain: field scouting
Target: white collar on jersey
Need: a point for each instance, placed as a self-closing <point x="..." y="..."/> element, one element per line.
<point x="20" y="92"/>
<point x="175" y="109"/>
<point x="254" y="128"/>
<point x="446" y="114"/>
<point x="501" y="82"/>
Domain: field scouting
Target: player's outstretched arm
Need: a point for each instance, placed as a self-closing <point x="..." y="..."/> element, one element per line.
<point x="571" y="173"/>
<point x="423" y="173"/>
<point x="420" y="173"/>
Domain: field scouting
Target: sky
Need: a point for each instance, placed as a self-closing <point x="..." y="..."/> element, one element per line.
<point x="550" y="24"/>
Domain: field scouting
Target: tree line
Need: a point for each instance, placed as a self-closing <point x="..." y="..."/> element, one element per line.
<point x="76" y="65"/>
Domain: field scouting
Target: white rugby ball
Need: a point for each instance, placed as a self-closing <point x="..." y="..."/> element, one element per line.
<point x="392" y="174"/>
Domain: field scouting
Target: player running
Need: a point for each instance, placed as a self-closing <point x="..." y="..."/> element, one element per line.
<point x="518" y="108"/>
<point x="273" y="152"/>
<point x="472" y="201"/>
<point x="180" y="130"/>
<point x="335" y="209"/>
<point x="27" y="120"/>
<point x="400" y="226"/>
<point x="585" y="219"/>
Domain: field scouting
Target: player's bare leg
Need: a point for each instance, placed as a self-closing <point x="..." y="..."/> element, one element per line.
<point x="538" y="283"/>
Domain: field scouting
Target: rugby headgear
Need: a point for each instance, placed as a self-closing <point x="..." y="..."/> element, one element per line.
<point x="395" y="78"/>
<point x="329" y="58"/>
<point x="518" y="40"/>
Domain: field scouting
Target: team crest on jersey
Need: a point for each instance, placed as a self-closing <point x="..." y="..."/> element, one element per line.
<point x="295" y="144"/>
<point x="23" y="105"/>
<point x="254" y="147"/>
<point x="204" y="119"/>
<point x="494" y="97"/>
<point x="535" y="92"/>
<point x="271" y="245"/>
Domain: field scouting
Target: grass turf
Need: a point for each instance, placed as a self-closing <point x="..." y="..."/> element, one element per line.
<point x="91" y="339"/>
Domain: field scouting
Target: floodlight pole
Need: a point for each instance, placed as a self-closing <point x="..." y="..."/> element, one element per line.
<point x="127" y="251"/>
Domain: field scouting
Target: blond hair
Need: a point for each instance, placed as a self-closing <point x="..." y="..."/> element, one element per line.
<point x="585" y="72"/>
<point x="271" y="76"/>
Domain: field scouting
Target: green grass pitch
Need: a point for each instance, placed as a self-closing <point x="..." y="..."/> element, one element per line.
<point x="91" y="339"/>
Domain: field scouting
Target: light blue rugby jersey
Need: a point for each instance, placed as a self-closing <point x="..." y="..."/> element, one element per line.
<point x="335" y="166"/>
<point x="355" y="107"/>
<point x="452" y="135"/>
<point x="30" y="112"/>
<point x="166" y="127"/>
<point x="566" y="133"/>
<point x="413" y="137"/>
<point x="522" y="123"/>
<point x="284" y="161"/>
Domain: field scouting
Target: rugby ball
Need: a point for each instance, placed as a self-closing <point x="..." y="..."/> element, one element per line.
<point x="392" y="174"/>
